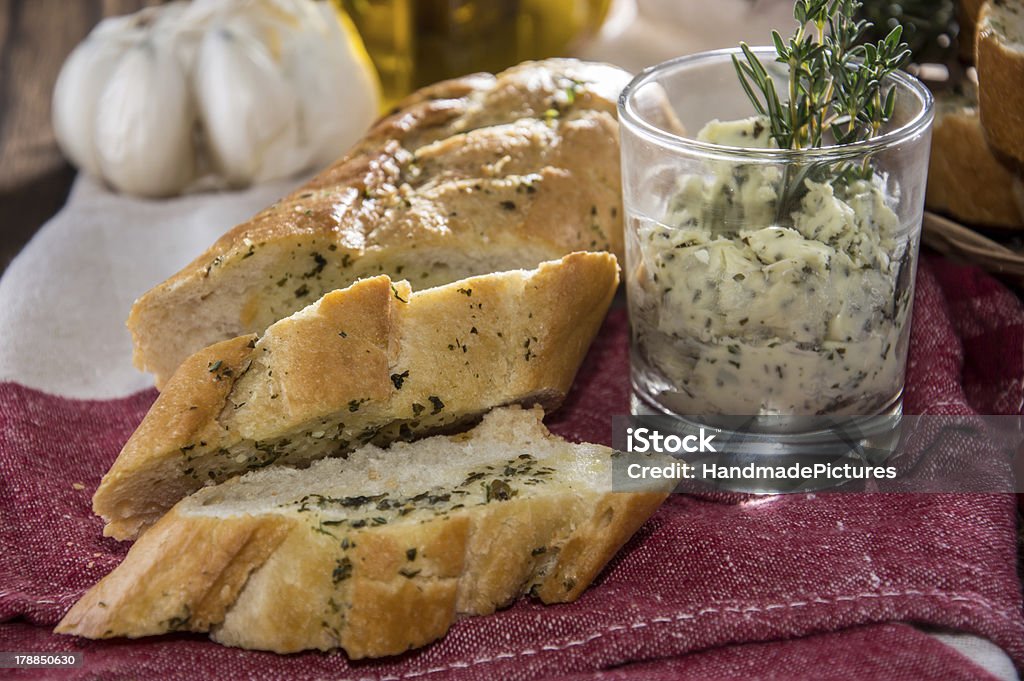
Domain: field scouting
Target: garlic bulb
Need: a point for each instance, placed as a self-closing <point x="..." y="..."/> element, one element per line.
<point x="213" y="93"/>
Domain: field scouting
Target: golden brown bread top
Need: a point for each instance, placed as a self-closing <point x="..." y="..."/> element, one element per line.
<point x="350" y="198"/>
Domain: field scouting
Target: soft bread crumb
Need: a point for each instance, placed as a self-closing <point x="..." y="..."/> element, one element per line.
<point x="407" y="469"/>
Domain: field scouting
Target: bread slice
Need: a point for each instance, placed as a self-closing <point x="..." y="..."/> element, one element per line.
<point x="470" y="176"/>
<point x="373" y="362"/>
<point x="1000" y="63"/>
<point x="965" y="179"/>
<point x="376" y="554"/>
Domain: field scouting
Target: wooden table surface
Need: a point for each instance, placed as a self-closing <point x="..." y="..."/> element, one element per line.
<point x="35" y="38"/>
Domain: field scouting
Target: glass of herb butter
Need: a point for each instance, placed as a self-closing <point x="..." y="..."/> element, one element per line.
<point x="771" y="255"/>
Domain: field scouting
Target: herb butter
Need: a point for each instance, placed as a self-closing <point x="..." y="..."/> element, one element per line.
<point x="738" y="312"/>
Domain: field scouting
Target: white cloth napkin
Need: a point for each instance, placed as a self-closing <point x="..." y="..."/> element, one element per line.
<point x="65" y="298"/>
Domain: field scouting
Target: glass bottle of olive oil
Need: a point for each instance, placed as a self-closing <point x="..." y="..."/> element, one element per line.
<point x="417" y="42"/>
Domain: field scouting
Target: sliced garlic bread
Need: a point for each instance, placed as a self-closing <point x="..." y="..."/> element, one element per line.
<point x="378" y="553"/>
<point x="479" y="174"/>
<point x="373" y="362"/>
<point x="1000" y="64"/>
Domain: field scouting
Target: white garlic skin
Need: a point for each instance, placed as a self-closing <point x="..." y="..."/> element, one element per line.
<point x="248" y="125"/>
<point x="86" y="71"/>
<point x="212" y="94"/>
<point x="144" y="124"/>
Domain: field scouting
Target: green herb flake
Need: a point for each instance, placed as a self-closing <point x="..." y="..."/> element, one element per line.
<point x="342" y="571"/>
<point x="498" y="490"/>
<point x="319" y="263"/>
<point x="181" y="621"/>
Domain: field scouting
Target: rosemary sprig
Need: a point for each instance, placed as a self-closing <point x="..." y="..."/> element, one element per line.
<point x="837" y="89"/>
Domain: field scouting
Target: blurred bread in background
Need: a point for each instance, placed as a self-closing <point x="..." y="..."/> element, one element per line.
<point x="1000" y="63"/>
<point x="967" y="12"/>
<point x="965" y="178"/>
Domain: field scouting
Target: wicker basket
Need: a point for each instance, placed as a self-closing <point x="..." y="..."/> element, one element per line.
<point x="952" y="238"/>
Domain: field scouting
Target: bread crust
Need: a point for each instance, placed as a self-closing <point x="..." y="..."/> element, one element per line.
<point x="282" y="580"/>
<point x="967" y="12"/>
<point x="384" y="362"/>
<point x="479" y="174"/>
<point x="965" y="179"/>
<point x="1001" y="85"/>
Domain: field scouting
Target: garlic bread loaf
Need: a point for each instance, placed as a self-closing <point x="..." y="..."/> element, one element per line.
<point x="372" y="362"/>
<point x="1000" y="64"/>
<point x="965" y="178"/>
<point x="375" y="554"/>
<point x="474" y="175"/>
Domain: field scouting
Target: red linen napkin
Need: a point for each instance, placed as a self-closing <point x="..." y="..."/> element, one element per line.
<point x="787" y="587"/>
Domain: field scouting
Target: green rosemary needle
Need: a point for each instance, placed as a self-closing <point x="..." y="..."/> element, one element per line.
<point x="836" y="89"/>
